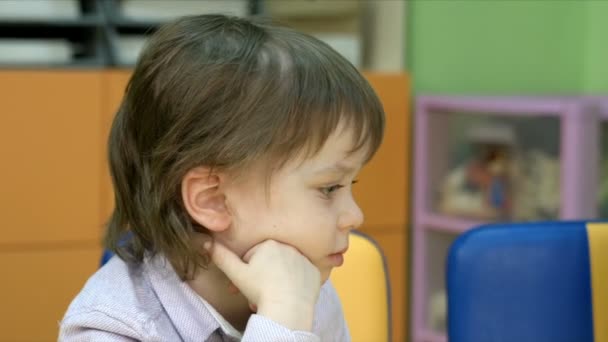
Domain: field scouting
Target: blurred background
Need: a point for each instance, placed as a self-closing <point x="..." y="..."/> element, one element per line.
<point x="497" y="110"/>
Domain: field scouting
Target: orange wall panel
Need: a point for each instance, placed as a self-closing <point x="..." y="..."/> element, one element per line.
<point x="383" y="184"/>
<point x="39" y="286"/>
<point x="114" y="86"/>
<point x="49" y="143"/>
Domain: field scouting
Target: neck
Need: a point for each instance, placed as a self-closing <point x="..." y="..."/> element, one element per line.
<point x="213" y="286"/>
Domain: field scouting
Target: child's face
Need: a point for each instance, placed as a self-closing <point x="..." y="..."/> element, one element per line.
<point x="309" y="205"/>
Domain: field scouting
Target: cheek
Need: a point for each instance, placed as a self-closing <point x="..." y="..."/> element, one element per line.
<point x="247" y="229"/>
<point x="305" y="222"/>
<point x="309" y="228"/>
<point x="302" y="216"/>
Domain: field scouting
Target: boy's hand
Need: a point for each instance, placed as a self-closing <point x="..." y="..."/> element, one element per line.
<point x="281" y="282"/>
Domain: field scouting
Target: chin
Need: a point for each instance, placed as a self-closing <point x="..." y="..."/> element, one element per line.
<point x="325" y="275"/>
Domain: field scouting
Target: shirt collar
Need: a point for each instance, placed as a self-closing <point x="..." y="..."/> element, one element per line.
<point x="226" y="327"/>
<point x="185" y="308"/>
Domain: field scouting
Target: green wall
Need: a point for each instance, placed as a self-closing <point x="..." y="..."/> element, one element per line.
<point x="508" y="47"/>
<point x="596" y="49"/>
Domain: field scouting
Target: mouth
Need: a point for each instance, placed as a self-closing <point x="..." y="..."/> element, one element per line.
<point x="337" y="258"/>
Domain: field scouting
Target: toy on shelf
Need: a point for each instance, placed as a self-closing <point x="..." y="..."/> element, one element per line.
<point x="481" y="187"/>
<point x="502" y="179"/>
<point x="537" y="195"/>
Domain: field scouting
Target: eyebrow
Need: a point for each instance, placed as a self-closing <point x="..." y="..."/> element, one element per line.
<point x="336" y="168"/>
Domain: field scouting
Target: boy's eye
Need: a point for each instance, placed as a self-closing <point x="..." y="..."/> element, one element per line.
<point x="330" y="189"/>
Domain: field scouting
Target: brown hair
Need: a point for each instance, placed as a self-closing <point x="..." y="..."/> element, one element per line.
<point x="222" y="92"/>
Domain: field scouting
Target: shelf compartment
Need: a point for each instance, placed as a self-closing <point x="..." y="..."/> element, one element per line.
<point x="493" y="167"/>
<point x="539" y="127"/>
<point x="437" y="247"/>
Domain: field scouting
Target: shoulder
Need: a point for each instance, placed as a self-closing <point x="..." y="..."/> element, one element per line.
<point x="116" y="299"/>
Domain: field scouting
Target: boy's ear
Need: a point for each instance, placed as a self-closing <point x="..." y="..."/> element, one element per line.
<point x="204" y="199"/>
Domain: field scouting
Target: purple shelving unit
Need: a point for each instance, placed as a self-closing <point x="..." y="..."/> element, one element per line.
<point x="603" y="114"/>
<point x="603" y="105"/>
<point x="574" y="122"/>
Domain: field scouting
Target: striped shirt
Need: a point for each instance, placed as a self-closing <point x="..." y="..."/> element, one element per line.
<point x="148" y="302"/>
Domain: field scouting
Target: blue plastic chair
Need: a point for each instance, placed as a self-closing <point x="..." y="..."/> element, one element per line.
<point x="529" y="282"/>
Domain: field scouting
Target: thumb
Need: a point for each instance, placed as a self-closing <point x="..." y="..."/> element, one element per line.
<point x="228" y="262"/>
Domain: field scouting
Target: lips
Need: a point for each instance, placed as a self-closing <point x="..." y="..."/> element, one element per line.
<point x="337" y="259"/>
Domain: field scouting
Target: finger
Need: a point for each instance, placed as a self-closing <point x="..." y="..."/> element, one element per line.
<point x="199" y="240"/>
<point x="228" y="262"/>
<point x="273" y="244"/>
<point x="282" y="244"/>
<point x="250" y="253"/>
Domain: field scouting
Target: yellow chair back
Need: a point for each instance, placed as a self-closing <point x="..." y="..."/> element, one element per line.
<point x="363" y="287"/>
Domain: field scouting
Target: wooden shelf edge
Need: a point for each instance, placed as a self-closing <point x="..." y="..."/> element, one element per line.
<point x="447" y="224"/>
<point x="430" y="336"/>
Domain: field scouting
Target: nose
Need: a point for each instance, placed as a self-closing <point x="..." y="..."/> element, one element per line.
<point x="351" y="217"/>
